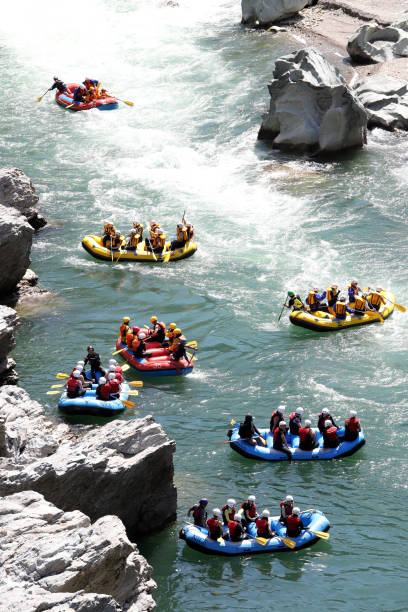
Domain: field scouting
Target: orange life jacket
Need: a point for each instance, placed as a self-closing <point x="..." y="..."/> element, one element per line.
<point x="124" y="329"/>
<point x="340" y="308"/>
<point x="375" y="298"/>
<point x="311" y="298"/>
<point x="359" y="303"/>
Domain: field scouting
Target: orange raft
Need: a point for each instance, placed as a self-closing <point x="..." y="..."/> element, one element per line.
<point x="159" y="364"/>
<point x="66" y="99"/>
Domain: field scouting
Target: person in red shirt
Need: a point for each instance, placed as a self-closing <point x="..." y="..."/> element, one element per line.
<point x="286" y="507"/>
<point x="307" y="437"/>
<point x="294" y="524"/>
<point x="236" y="531"/>
<point x="352" y="427"/>
<point x="103" y="390"/>
<point x="330" y="437"/>
<point x="114" y="386"/>
<point x="214" y="525"/>
<point x="278" y="415"/>
<point x="250" y="514"/>
<point x="262" y="525"/>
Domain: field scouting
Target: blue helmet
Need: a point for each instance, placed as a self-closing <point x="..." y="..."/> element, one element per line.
<point x="204" y="501"/>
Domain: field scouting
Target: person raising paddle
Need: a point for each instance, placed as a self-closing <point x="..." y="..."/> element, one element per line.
<point x="58" y="84"/>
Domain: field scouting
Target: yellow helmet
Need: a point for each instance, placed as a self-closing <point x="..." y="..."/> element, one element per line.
<point x="172" y="326"/>
<point x="177" y="331"/>
<point x="126" y="319"/>
<point x="153" y="319"/>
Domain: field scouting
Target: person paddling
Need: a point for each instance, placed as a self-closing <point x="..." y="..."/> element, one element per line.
<point x="307" y="437"/>
<point x="352" y="427"/>
<point x="250" y="514"/>
<point x="294" y="524"/>
<point x="322" y="418"/>
<point x="74" y="386"/>
<point x="228" y="511"/>
<point x="314" y="298"/>
<point x="236" y="531"/>
<point x="103" y="390"/>
<point x="124" y="329"/>
<point x="262" y="525"/>
<point x="58" y="84"/>
<point x="280" y="442"/>
<point x="286" y="507"/>
<point x="330" y="436"/>
<point x="295" y="421"/>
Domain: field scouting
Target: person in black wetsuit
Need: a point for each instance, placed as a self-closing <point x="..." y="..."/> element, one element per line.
<point x="307" y="437"/>
<point x="248" y="431"/>
<point x="58" y="84"/>
<point x="95" y="362"/>
<point x="199" y="513"/>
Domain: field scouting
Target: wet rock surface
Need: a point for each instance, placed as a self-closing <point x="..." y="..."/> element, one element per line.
<point x="311" y="108"/>
<point x="58" y="560"/>
<point x="18" y="192"/>
<point x="373" y="43"/>
<point x="8" y="323"/>
<point x="264" y="12"/>
<point x="385" y="100"/>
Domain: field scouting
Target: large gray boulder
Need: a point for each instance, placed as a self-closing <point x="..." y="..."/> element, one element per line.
<point x="312" y="109"/>
<point x="16" y="237"/>
<point x="372" y="43"/>
<point x="123" y="468"/>
<point x="8" y="323"/>
<point x="17" y="191"/>
<point x="268" y="11"/>
<point x="385" y="99"/>
<point x="58" y="560"/>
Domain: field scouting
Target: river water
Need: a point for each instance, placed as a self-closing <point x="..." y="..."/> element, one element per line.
<point x="265" y="222"/>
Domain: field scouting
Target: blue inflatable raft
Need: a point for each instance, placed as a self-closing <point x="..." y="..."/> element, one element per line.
<point x="197" y="537"/>
<point x="268" y="453"/>
<point x="89" y="404"/>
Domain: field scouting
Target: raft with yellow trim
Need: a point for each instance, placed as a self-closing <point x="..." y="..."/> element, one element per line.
<point x="93" y="245"/>
<point x="326" y="322"/>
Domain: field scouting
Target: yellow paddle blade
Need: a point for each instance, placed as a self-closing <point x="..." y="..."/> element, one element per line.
<point x="322" y="534"/>
<point x="375" y="315"/>
<point x="191" y="344"/>
<point x="128" y="404"/>
<point x="40" y="98"/>
<point x="263" y="440"/>
<point x="56" y="386"/>
<point x="221" y="540"/>
<point x="125" y="367"/>
<point x="289" y="543"/>
<point x="233" y="422"/>
<point x="53" y="392"/>
<point x="262" y="541"/>
<point x="136" y="383"/>
<point x="166" y="257"/>
<point x="241" y="511"/>
<point x="128" y="102"/>
<point x="133" y="392"/>
<point x="120" y="351"/>
<point x="400" y="307"/>
<point x="62" y="375"/>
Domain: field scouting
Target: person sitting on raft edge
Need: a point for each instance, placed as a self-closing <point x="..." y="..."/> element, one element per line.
<point x="58" y="84"/>
<point x="294" y="302"/>
<point x="79" y="94"/>
<point x="307" y="437"/>
<point x="262" y="525"/>
<point x="228" y="511"/>
<point x="103" y="390"/>
<point x="279" y="440"/>
<point x="199" y="512"/>
<point x="214" y="525"/>
<point x="314" y="298"/>
<point x="294" y="524"/>
<point x="248" y="431"/>
<point x="341" y="309"/>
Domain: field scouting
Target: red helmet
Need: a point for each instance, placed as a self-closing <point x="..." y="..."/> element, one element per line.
<point x="136" y="330"/>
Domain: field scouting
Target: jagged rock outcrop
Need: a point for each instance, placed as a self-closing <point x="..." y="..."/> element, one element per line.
<point x="386" y="101"/>
<point x="16" y="237"/>
<point x="264" y="12"/>
<point x="17" y="191"/>
<point x="372" y="43"/>
<point x="312" y="109"/>
<point x="8" y="322"/>
<point x="123" y="468"/>
<point x="58" y="560"/>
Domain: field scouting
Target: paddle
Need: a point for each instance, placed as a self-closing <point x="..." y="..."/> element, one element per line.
<point x="125" y="367"/>
<point x="128" y="102"/>
<point x="321" y="534"/>
<point x="192" y="344"/>
<point x="133" y="392"/>
<point x="111" y="249"/>
<point x="120" y="255"/>
<point x="166" y="257"/>
<point x="128" y="404"/>
<point x="56" y="386"/>
<point x="399" y="307"/>
<point x="53" y="392"/>
<point x="281" y="312"/>
<point x="376" y="315"/>
<point x="289" y="543"/>
<point x="41" y="97"/>
<point x="62" y="375"/>
<point x="120" y="350"/>
<point x="221" y="541"/>
<point x="136" y="383"/>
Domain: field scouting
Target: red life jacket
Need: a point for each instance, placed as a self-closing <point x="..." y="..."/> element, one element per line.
<point x="251" y="509"/>
<point x="331" y="433"/>
<point x="286" y="508"/>
<point x="118" y="369"/>
<point x="232" y="525"/>
<point x="129" y="339"/>
<point x="275" y="433"/>
<point x="262" y="527"/>
<point x="196" y="512"/>
<point x="114" y="386"/>
<point x="304" y="433"/>
<point x="118" y="377"/>
<point x="72" y="384"/>
<point x="124" y="330"/>
<point x="352" y="424"/>
<point x="105" y="391"/>
<point x="293" y="523"/>
<point x="135" y="344"/>
<point x="214" y="527"/>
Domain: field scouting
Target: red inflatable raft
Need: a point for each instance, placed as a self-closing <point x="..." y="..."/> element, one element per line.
<point x="159" y="364"/>
<point x="66" y="99"/>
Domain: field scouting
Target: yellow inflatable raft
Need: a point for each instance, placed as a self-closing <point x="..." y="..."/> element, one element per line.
<point x="325" y="322"/>
<point x="94" y="246"/>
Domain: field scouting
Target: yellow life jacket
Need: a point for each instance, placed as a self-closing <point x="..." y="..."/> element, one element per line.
<point x="331" y="293"/>
<point x="153" y="229"/>
<point x="297" y="304"/>
<point x="375" y="298"/>
<point x="134" y="240"/>
<point x="359" y="303"/>
<point x="340" y="308"/>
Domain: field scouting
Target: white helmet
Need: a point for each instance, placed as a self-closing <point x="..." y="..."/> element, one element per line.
<point x="102" y="380"/>
<point x="265" y="512"/>
<point x="325" y="411"/>
<point x="76" y="374"/>
<point x="353" y="413"/>
<point x="112" y="362"/>
<point x="328" y="423"/>
<point x="142" y="336"/>
<point x="251" y="498"/>
<point x="289" y="498"/>
<point x="79" y="367"/>
<point x="231" y="502"/>
<point x="296" y="511"/>
<point x="111" y="376"/>
<point x="112" y="367"/>
<point x="282" y="424"/>
<point x="216" y="512"/>
<point x="281" y="408"/>
<point x="299" y="410"/>
<point x="308" y="423"/>
<point x="82" y="363"/>
<point x="237" y="517"/>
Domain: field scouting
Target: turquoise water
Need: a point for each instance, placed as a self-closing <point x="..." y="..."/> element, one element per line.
<point x="265" y="223"/>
